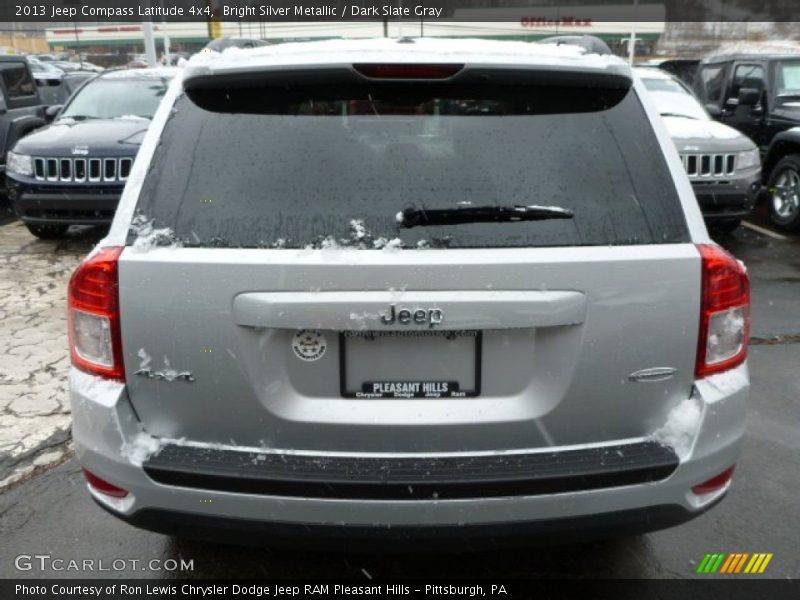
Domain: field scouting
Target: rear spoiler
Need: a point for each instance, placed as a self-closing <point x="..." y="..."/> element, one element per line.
<point x="204" y="78"/>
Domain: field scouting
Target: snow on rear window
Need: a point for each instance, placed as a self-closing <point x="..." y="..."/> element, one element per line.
<point x="329" y="167"/>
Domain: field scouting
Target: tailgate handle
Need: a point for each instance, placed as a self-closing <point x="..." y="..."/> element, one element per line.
<point x="382" y="310"/>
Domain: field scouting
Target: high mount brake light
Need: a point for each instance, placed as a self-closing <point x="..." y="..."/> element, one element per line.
<point x="724" y="314"/>
<point x="407" y="71"/>
<point x="95" y="340"/>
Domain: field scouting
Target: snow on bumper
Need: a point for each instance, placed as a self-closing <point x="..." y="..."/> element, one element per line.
<point x="109" y="442"/>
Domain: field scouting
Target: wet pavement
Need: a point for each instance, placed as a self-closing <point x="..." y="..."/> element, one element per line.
<point x="49" y="512"/>
<point x="34" y="404"/>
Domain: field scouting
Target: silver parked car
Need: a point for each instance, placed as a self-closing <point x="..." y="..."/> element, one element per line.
<point x="408" y="291"/>
<point x="723" y="164"/>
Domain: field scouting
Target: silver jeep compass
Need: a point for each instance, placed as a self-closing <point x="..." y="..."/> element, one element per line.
<point x="408" y="291"/>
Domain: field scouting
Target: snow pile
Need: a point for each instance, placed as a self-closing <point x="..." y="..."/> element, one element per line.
<point x="686" y="128"/>
<point x="419" y="50"/>
<point x="149" y="237"/>
<point x="361" y="238"/>
<point x="152" y="73"/>
<point x="170" y="374"/>
<point x="729" y="382"/>
<point x="729" y="331"/>
<point x="98" y="389"/>
<point x="679" y="431"/>
<point x="142" y="447"/>
<point x="358" y="229"/>
<point x="144" y="359"/>
<point x="766" y="47"/>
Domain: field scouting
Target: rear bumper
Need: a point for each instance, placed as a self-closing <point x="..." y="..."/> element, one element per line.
<point x="729" y="200"/>
<point x="74" y="205"/>
<point x="105" y="427"/>
<point x="468" y="537"/>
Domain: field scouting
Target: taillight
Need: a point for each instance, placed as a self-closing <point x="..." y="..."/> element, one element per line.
<point x="407" y="71"/>
<point x="725" y="312"/>
<point x="103" y="486"/>
<point x="715" y="483"/>
<point x="94" y="333"/>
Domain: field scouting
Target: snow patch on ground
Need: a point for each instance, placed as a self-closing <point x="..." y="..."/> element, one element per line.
<point x="681" y="427"/>
<point x="149" y="237"/>
<point x="140" y="448"/>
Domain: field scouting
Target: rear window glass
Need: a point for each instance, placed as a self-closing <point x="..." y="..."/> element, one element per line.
<point x="711" y="83"/>
<point x="17" y="80"/>
<point x="321" y="166"/>
<point x="109" y="98"/>
<point x="787" y="79"/>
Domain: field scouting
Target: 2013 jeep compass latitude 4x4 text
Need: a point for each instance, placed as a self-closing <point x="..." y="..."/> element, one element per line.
<point x="410" y="291"/>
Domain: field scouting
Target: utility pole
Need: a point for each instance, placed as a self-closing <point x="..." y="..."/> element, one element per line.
<point x="149" y="43"/>
<point x="78" y="44"/>
<point x="165" y="36"/>
<point x="632" y="41"/>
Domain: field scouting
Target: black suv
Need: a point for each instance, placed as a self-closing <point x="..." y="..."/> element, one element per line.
<point x="759" y="94"/>
<point x="74" y="170"/>
<point x="21" y="109"/>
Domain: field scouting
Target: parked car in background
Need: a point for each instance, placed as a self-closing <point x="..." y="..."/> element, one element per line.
<point x="48" y="79"/>
<point x="21" y="109"/>
<point x="723" y="164"/>
<point x="56" y="84"/>
<point x="69" y="66"/>
<point x="425" y="320"/>
<point x="682" y="68"/>
<point x="759" y="94"/>
<point x="49" y="57"/>
<point x="73" y="171"/>
<point x="223" y="43"/>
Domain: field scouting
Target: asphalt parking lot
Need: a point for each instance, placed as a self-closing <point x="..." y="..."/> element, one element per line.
<point x="45" y="509"/>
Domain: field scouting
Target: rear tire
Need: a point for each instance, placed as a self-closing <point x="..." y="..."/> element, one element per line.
<point x="47" y="232"/>
<point x="784" y="193"/>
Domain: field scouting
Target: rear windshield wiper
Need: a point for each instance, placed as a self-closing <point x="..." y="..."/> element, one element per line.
<point x="673" y="114"/>
<point x="422" y="217"/>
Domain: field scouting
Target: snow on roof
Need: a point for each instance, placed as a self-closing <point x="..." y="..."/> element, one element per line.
<point x="652" y="73"/>
<point x="154" y="73"/>
<point x="781" y="47"/>
<point x="390" y="50"/>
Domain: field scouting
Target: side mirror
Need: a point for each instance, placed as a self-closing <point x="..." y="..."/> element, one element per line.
<point x="749" y="96"/>
<point x="713" y="110"/>
<point x="51" y="112"/>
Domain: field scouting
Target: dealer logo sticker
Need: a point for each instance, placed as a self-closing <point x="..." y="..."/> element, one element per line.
<point x="309" y="345"/>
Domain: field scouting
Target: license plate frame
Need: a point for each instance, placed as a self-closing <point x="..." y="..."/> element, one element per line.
<point x="345" y="392"/>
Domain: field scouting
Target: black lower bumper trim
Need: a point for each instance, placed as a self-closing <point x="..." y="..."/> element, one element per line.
<point x="720" y="202"/>
<point x="411" y="478"/>
<point x="469" y="537"/>
<point x="65" y="207"/>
